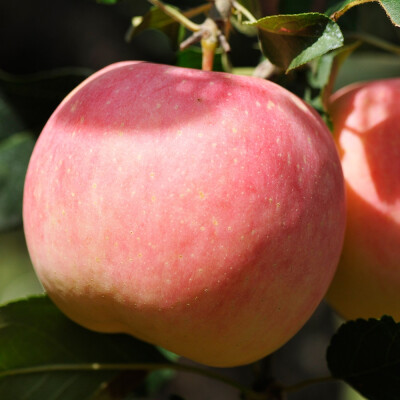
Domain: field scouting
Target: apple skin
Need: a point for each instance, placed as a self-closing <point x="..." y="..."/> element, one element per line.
<point x="200" y="211"/>
<point x="366" y="120"/>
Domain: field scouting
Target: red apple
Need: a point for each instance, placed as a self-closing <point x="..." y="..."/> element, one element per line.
<point x="366" y="121"/>
<point x="200" y="211"/>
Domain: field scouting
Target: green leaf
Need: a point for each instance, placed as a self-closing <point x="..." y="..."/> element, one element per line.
<point x="366" y="354"/>
<point x="324" y="71"/>
<point x="44" y="355"/>
<point x="26" y="102"/>
<point x="290" y="41"/>
<point x="15" y="152"/>
<point x="391" y="7"/>
<point x="320" y="71"/>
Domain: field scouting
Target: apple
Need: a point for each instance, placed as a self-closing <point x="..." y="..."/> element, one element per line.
<point x="366" y="120"/>
<point x="200" y="211"/>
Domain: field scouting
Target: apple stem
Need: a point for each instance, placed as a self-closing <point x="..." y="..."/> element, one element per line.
<point x="213" y="31"/>
<point x="208" y="46"/>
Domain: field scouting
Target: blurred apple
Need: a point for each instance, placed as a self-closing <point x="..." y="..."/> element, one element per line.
<point x="366" y="120"/>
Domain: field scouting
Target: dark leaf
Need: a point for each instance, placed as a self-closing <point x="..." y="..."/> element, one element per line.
<point x="46" y="356"/>
<point x="15" y="152"/>
<point x="366" y="354"/>
<point x="290" y="41"/>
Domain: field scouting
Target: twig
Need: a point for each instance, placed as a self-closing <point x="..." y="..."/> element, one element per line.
<point x="176" y="15"/>
<point x="192" y="39"/>
<point x="265" y="70"/>
<point x="244" y="11"/>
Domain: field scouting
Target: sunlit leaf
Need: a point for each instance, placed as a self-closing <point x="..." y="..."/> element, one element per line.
<point x="290" y="41"/>
<point x="392" y="8"/>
